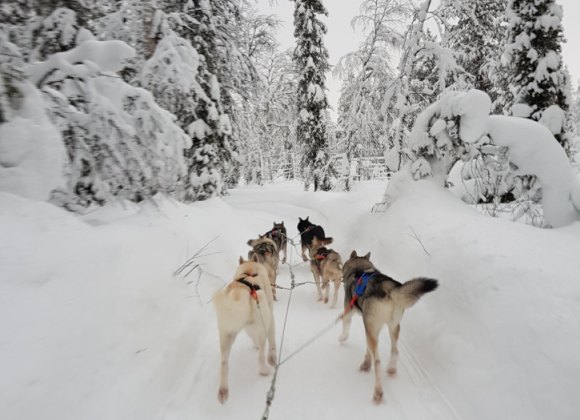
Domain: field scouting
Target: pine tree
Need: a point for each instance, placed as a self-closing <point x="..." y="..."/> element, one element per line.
<point x="311" y="58"/>
<point x="533" y="58"/>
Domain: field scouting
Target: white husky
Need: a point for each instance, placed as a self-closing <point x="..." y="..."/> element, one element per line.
<point x="246" y="303"/>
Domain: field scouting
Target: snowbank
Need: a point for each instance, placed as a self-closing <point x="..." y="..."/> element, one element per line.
<point x="32" y="154"/>
<point x="532" y="148"/>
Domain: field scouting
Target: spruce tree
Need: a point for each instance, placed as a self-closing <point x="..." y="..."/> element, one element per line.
<point x="311" y="58"/>
<point x="536" y="75"/>
<point x="478" y="39"/>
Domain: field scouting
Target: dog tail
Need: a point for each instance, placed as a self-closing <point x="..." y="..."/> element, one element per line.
<point x="410" y="292"/>
<point x="324" y="241"/>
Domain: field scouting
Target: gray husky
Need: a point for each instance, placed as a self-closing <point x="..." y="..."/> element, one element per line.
<point x="381" y="300"/>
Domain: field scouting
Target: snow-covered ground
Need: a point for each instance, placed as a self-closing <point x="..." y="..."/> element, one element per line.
<point x="94" y="325"/>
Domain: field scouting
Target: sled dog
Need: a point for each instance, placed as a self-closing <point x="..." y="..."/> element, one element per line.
<point x="245" y="304"/>
<point x="266" y="253"/>
<point x="308" y="231"/>
<point x="278" y="235"/>
<point x="381" y="300"/>
<point x="325" y="264"/>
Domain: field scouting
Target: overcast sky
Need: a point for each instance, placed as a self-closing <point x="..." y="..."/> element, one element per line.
<point x="341" y="38"/>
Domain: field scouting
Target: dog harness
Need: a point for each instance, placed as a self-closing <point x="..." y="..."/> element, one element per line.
<point x="359" y="289"/>
<point x="253" y="287"/>
<point x="264" y="249"/>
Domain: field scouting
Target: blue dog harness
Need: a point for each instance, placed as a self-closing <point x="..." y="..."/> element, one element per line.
<point x="362" y="282"/>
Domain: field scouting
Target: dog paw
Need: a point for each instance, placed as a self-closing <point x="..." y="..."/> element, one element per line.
<point x="378" y="396"/>
<point x="392" y="371"/>
<point x="284" y="261"/>
<point x="343" y="338"/>
<point x="272" y="359"/>
<point x="325" y="300"/>
<point x="319" y="299"/>
<point x="365" y="366"/>
<point x="264" y="370"/>
<point x="223" y="394"/>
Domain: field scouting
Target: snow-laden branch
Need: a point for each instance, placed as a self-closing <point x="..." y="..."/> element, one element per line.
<point x="462" y="120"/>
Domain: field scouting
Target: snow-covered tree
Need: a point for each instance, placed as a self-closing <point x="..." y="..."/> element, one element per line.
<point x="366" y="73"/>
<point x="311" y="58"/>
<point x="537" y="80"/>
<point x="476" y="32"/>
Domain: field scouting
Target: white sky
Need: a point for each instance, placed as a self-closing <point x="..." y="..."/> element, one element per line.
<point x="341" y="38"/>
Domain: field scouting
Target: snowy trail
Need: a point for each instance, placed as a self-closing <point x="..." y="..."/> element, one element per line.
<point x="325" y="371"/>
<point x="96" y="326"/>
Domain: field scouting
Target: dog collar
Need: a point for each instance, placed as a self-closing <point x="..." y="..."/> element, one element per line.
<point x="253" y="287"/>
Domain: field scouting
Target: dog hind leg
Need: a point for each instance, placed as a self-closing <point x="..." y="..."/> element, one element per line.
<point x="372" y="330"/>
<point x="263" y="367"/>
<point x="272" y="359"/>
<point x="316" y="275"/>
<point x="285" y="249"/>
<point x="346" y="321"/>
<point x="326" y="285"/>
<point x="394" y="334"/>
<point x="335" y="295"/>
<point x="226" y="342"/>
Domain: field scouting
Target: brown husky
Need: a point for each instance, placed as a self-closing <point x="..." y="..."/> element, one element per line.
<point x="326" y="264"/>
<point x="381" y="300"/>
<point x="266" y="253"/>
<point x="245" y="304"/>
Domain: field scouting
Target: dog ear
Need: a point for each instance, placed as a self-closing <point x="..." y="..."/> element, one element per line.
<point x="251" y="242"/>
<point x="260" y="236"/>
<point x="255" y="257"/>
<point x="241" y="260"/>
<point x="306" y="219"/>
<point x="300" y="219"/>
<point x="368" y="256"/>
<point x="353" y="254"/>
<point x="282" y="223"/>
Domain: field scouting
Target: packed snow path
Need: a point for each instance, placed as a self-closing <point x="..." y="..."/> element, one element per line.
<point x="94" y="324"/>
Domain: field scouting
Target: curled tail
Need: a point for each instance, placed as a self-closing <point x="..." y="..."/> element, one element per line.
<point x="410" y="292"/>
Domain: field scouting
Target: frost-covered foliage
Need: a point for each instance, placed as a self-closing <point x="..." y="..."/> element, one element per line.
<point x="426" y="70"/>
<point x="366" y="74"/>
<point x="536" y="76"/>
<point x="118" y="141"/>
<point x="31" y="149"/>
<point x="311" y="58"/>
<point x="269" y="121"/>
<point x="460" y="126"/>
<point x="476" y="32"/>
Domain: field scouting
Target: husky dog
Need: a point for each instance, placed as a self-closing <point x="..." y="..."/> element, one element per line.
<point x="381" y="300"/>
<point x="326" y="264"/>
<point x="278" y="235"/>
<point x="265" y="252"/>
<point x="308" y="231"/>
<point x="245" y="304"/>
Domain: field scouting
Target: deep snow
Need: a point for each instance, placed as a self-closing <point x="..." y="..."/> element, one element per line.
<point x="96" y="326"/>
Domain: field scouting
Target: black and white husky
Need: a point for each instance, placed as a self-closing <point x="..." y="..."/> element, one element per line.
<point x="381" y="300"/>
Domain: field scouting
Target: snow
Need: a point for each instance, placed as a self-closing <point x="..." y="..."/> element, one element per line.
<point x="96" y="326"/>
<point x="553" y="118"/>
<point x="535" y="151"/>
<point x="532" y="147"/>
<point x="32" y="154"/>
<point x="108" y="56"/>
